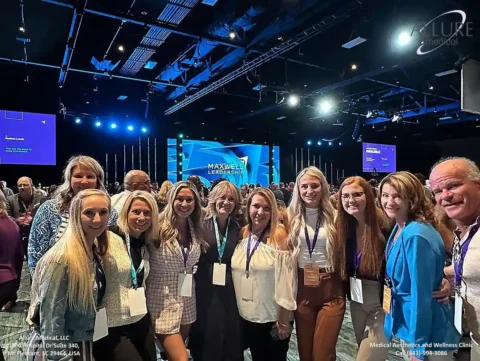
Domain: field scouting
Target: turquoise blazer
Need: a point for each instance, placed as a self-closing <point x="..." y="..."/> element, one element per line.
<point x="415" y="269"/>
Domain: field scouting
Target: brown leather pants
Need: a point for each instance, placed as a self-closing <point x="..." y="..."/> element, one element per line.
<point x="319" y="317"/>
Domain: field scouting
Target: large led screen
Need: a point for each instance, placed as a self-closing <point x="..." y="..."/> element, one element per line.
<point x="27" y="138"/>
<point x="237" y="162"/>
<point x="381" y="158"/>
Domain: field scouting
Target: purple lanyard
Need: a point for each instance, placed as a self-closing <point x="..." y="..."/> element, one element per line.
<point x="358" y="256"/>
<point x="250" y="255"/>
<point x="185" y="253"/>
<point x="311" y="246"/>
<point x="459" y="259"/>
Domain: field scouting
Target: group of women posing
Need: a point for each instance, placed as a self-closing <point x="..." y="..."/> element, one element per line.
<point x="194" y="273"/>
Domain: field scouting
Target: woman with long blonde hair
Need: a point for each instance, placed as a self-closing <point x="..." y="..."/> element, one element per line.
<point x="130" y="335"/>
<point x="263" y="272"/>
<point x="162" y="194"/>
<point x="170" y="287"/>
<point x="321" y="295"/>
<point x="69" y="282"/>
<point x="414" y="267"/>
<point x="52" y="218"/>
<point x="216" y="335"/>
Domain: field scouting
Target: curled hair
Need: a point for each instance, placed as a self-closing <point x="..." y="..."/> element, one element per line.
<point x="151" y="234"/>
<point x="64" y="193"/>
<point x="374" y="240"/>
<point x="219" y="191"/>
<point x="326" y="213"/>
<point x="164" y="189"/>
<point x="168" y="231"/>
<point x="410" y="189"/>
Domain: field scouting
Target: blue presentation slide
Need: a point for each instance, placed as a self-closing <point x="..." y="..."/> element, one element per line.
<point x="27" y="138"/>
<point x="381" y="158"/>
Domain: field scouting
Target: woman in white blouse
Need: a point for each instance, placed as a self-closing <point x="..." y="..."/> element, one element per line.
<point x="321" y="295"/>
<point x="264" y="279"/>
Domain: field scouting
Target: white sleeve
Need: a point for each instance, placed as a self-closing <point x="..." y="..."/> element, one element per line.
<point x="286" y="280"/>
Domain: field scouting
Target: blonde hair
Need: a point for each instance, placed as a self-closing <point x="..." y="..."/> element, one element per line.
<point x="151" y="234"/>
<point x="410" y="189"/>
<point x="220" y="190"/>
<point x="64" y="193"/>
<point x="167" y="221"/>
<point x="326" y="213"/>
<point x="163" y="192"/>
<point x="3" y="205"/>
<point x="268" y="195"/>
<point x="72" y="251"/>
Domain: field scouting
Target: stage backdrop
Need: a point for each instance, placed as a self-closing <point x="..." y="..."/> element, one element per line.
<point x="237" y="162"/>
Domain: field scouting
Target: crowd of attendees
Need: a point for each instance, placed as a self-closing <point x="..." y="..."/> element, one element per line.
<point x="209" y="272"/>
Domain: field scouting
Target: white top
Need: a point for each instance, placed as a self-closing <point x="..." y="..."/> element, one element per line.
<point x="319" y="254"/>
<point x="471" y="281"/>
<point x="274" y="281"/>
<point x="118" y="200"/>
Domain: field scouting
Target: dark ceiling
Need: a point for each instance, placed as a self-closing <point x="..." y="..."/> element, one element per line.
<point x="296" y="43"/>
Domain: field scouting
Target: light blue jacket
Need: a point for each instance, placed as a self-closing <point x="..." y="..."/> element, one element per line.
<point x="415" y="268"/>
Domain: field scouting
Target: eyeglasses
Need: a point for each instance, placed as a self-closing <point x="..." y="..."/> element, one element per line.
<point x="356" y="196"/>
<point x="139" y="185"/>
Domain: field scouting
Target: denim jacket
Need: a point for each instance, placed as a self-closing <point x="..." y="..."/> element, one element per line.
<point x="49" y="313"/>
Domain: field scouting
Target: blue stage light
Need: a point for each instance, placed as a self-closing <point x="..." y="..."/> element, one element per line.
<point x="319" y="143"/>
<point x="309" y="142"/>
<point x="130" y="128"/>
<point x="78" y="120"/>
<point x="113" y="126"/>
<point x="329" y="143"/>
<point x="180" y="135"/>
<point x="98" y="124"/>
<point x="144" y="130"/>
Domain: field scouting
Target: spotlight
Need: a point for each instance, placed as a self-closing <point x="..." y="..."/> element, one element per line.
<point x="319" y="143"/>
<point x="340" y="144"/>
<point x="113" y="126"/>
<point x="326" y="106"/>
<point x="121" y="48"/>
<point x="293" y="100"/>
<point x="404" y="38"/>
<point x="144" y="130"/>
<point x="354" y="67"/>
<point x="98" y="124"/>
<point x="309" y="142"/>
<point x="431" y="87"/>
<point x="21" y="29"/>
<point x="232" y="34"/>
<point x="78" y="120"/>
<point x="329" y="143"/>
<point x="180" y="135"/>
<point x="130" y="128"/>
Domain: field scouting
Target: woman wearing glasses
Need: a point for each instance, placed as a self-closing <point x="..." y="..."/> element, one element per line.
<point x="414" y="267"/>
<point x="216" y="335"/>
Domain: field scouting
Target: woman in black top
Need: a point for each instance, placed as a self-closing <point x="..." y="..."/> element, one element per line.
<point x="216" y="335"/>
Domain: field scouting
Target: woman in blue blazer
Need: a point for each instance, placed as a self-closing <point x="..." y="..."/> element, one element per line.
<point x="415" y="256"/>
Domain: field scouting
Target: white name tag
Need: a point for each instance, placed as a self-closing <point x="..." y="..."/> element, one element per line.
<point x="458" y="315"/>
<point x="219" y="274"/>
<point x="101" y="325"/>
<point x="356" y="290"/>
<point x="247" y="288"/>
<point x="137" y="302"/>
<point x="185" y="284"/>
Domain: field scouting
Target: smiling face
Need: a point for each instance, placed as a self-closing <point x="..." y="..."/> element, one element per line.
<point x="260" y="212"/>
<point x="458" y="195"/>
<point x="95" y="215"/>
<point x="353" y="199"/>
<point x="310" y="189"/>
<point x="225" y="204"/>
<point x="139" y="217"/>
<point x="394" y="206"/>
<point x="82" y="178"/>
<point x="184" y="203"/>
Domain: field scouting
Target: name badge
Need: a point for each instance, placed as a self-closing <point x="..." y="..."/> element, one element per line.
<point x="458" y="315"/>
<point x="247" y="288"/>
<point x="137" y="302"/>
<point x="219" y="274"/>
<point x="185" y="284"/>
<point x="356" y="290"/>
<point x="101" y="325"/>
<point x="387" y="299"/>
<point x="311" y="276"/>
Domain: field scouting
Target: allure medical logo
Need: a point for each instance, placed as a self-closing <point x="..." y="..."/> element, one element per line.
<point x="443" y="30"/>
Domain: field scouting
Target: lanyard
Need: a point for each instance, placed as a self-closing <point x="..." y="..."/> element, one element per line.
<point x="100" y="279"/>
<point x="220" y="244"/>
<point x="460" y="254"/>
<point x="357" y="256"/>
<point x="132" y="267"/>
<point x="311" y="246"/>
<point x="250" y="255"/>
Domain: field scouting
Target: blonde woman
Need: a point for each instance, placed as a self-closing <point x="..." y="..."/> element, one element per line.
<point x="130" y="335"/>
<point x="216" y="335"/>
<point x="170" y="286"/>
<point x="263" y="274"/>
<point x="321" y="295"/>
<point x="162" y="194"/>
<point x="69" y="283"/>
<point x="51" y="220"/>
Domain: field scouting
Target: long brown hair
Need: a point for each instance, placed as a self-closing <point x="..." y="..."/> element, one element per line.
<point x="374" y="240"/>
